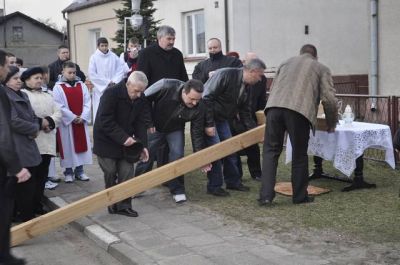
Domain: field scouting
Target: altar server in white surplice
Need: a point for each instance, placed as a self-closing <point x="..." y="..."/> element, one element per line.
<point x="105" y="70"/>
<point x="73" y="137"/>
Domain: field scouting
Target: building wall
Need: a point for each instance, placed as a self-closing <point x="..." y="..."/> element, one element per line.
<point x="389" y="47"/>
<point x="82" y="25"/>
<point x="38" y="47"/>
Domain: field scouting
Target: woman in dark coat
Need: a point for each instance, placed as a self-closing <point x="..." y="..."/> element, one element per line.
<point x="25" y="127"/>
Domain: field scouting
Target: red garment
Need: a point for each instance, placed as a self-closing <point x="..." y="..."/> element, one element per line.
<point x="74" y="97"/>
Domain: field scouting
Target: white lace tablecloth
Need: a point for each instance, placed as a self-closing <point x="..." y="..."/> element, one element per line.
<point x="347" y="143"/>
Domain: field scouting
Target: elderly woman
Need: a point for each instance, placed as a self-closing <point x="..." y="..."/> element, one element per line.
<point x="25" y="126"/>
<point x="49" y="112"/>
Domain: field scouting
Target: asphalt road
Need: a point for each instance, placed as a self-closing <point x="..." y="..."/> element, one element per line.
<point x="63" y="246"/>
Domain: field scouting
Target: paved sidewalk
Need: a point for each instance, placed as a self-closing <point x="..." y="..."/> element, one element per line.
<point x="170" y="233"/>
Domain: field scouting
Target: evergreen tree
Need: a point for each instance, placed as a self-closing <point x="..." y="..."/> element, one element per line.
<point x="148" y="30"/>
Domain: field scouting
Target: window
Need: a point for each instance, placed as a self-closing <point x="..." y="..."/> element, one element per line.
<point x="17" y="33"/>
<point x="195" y="33"/>
<point x="94" y="34"/>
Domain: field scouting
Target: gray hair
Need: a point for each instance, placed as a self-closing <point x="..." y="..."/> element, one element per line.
<point x="165" y="31"/>
<point x="138" y="77"/>
<point x="254" y="63"/>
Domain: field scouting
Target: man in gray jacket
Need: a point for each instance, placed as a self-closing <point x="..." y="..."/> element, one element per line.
<point x="299" y="85"/>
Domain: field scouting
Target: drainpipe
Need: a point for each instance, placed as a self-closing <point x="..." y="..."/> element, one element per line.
<point x="226" y="25"/>
<point x="374" y="53"/>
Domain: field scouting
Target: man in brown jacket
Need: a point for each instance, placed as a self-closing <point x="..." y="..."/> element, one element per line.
<point x="300" y="84"/>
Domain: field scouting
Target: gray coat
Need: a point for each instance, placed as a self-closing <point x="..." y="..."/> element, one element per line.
<point x="300" y="84"/>
<point x="24" y="125"/>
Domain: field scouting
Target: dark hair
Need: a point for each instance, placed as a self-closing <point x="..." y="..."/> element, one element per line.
<point x="3" y="56"/>
<point x="12" y="70"/>
<point x="254" y="63"/>
<point x="133" y="40"/>
<point x="10" y="54"/>
<point x="233" y="54"/>
<point x="194" y="84"/>
<point x="68" y="64"/>
<point x="310" y="49"/>
<point x="45" y="69"/>
<point x="20" y="61"/>
<point x="101" y="40"/>
<point x="63" y="46"/>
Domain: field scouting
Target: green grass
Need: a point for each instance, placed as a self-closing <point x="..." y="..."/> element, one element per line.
<point x="371" y="215"/>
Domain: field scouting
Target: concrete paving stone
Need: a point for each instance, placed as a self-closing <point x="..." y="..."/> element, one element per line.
<point x="145" y="240"/>
<point x="211" y="224"/>
<point x="217" y="249"/>
<point x="160" y="221"/>
<point x="64" y="188"/>
<point x="246" y="241"/>
<point x="173" y="250"/>
<point x="118" y="224"/>
<point x="74" y="196"/>
<point x="301" y="260"/>
<point x="182" y="230"/>
<point x="242" y="258"/>
<point x="143" y="208"/>
<point x="128" y="255"/>
<point x="199" y="240"/>
<point x="189" y="259"/>
<point x="226" y="232"/>
<point x="268" y="250"/>
<point x="101" y="236"/>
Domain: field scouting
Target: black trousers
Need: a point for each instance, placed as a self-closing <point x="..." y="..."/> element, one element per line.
<point x="41" y="176"/>
<point x="253" y="160"/>
<point x="7" y="192"/>
<point x="278" y="121"/>
<point x="24" y="197"/>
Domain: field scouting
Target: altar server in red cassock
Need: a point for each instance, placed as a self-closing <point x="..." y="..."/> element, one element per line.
<point x="73" y="138"/>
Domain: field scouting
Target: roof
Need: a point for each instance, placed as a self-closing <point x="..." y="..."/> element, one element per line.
<point x="83" y="4"/>
<point x="33" y="21"/>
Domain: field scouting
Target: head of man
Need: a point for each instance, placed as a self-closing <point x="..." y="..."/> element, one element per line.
<point x="309" y="49"/>
<point x="63" y="53"/>
<point x="166" y="37"/>
<point x="3" y="65"/>
<point x="69" y="71"/>
<point x="214" y="46"/>
<point x="192" y="92"/>
<point x="253" y="70"/>
<point x="12" y="60"/>
<point x="133" y="47"/>
<point x="46" y="74"/>
<point x="136" y="84"/>
<point x="102" y="45"/>
<point x="20" y="62"/>
<point x="249" y="56"/>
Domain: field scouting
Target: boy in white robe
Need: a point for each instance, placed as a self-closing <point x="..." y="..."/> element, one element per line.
<point x="105" y="70"/>
<point x="73" y="134"/>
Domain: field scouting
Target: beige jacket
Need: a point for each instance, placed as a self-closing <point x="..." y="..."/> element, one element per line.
<point x="44" y="105"/>
<point x="300" y="84"/>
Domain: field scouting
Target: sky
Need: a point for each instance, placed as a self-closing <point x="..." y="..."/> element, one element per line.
<point x="42" y="9"/>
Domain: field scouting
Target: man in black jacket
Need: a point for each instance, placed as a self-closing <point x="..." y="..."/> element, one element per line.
<point x="120" y="134"/>
<point x="226" y="96"/>
<point x="56" y="68"/>
<point x="11" y="171"/>
<point x="203" y="70"/>
<point x="175" y="103"/>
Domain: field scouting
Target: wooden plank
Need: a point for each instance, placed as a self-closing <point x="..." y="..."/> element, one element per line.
<point x="85" y="206"/>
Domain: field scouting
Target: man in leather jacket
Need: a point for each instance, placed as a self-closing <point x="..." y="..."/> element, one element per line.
<point x="226" y="96"/>
<point x="175" y="103"/>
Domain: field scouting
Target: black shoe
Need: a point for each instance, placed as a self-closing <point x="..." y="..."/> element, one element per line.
<point x="219" y="192"/>
<point x="239" y="187"/>
<point x="111" y="209"/>
<point x="264" y="203"/>
<point x="127" y="212"/>
<point x="258" y="178"/>
<point x="308" y="199"/>
<point x="11" y="260"/>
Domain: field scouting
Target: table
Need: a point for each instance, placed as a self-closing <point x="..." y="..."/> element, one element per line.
<point x="348" y="143"/>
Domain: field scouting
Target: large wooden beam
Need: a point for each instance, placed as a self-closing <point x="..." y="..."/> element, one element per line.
<point x="104" y="198"/>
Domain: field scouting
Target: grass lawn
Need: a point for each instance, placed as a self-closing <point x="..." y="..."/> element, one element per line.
<point x="371" y="215"/>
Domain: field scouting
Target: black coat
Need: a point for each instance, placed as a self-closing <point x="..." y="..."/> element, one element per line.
<point x="118" y="118"/>
<point x="221" y="95"/>
<point x="158" y="63"/>
<point x="55" y="69"/>
<point x="213" y="63"/>
<point x="9" y="161"/>
<point x="170" y="113"/>
<point x="258" y="95"/>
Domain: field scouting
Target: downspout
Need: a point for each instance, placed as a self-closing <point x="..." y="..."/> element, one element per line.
<point x="68" y="35"/>
<point x="374" y="53"/>
<point x="226" y="26"/>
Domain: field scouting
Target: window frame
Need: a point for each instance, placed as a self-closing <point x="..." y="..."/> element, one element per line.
<point x="193" y="37"/>
<point x="17" y="33"/>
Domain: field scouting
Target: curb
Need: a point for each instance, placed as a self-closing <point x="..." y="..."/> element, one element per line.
<point x="106" y="240"/>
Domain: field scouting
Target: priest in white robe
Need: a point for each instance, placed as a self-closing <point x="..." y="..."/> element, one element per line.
<point x="105" y="70"/>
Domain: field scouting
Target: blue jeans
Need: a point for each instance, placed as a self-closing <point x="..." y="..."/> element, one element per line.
<point x="226" y="168"/>
<point x="176" y="143"/>
<point x="77" y="172"/>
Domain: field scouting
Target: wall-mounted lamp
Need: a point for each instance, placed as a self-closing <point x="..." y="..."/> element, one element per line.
<point x="216" y="4"/>
<point x="306" y="30"/>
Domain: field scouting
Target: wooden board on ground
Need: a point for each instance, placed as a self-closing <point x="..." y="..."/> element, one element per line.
<point x="285" y="188"/>
<point x="85" y="206"/>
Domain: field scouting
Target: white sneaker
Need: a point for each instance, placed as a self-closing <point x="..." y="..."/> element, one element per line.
<point x="54" y="179"/>
<point x="69" y="179"/>
<point x="49" y="185"/>
<point x="179" y="198"/>
<point x="83" y="177"/>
